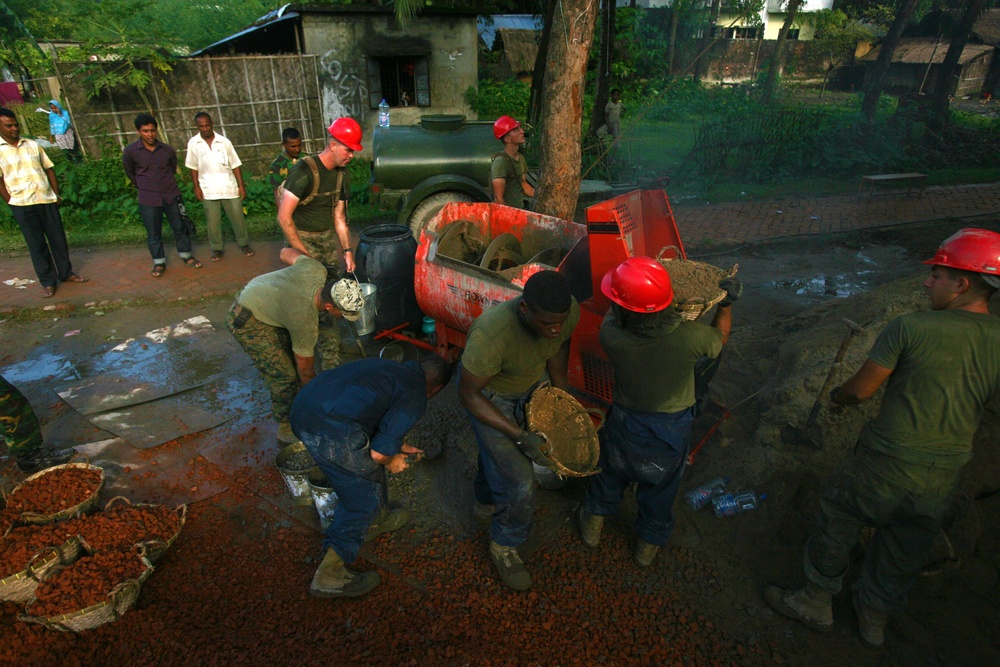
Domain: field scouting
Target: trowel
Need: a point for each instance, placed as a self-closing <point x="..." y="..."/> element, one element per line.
<point x="794" y="435"/>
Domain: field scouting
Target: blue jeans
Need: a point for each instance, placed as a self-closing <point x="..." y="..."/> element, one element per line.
<point x="341" y="450"/>
<point x="505" y="477"/>
<point x="152" y="220"/>
<point x="648" y="448"/>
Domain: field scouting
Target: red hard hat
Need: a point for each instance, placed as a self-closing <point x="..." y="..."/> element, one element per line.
<point x="504" y="125"/>
<point x="346" y="131"/>
<point x="639" y="284"/>
<point x="970" y="249"/>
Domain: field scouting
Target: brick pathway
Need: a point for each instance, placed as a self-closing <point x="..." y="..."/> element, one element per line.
<point x="123" y="273"/>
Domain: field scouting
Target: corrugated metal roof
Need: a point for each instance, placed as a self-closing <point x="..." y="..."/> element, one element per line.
<point x="923" y="51"/>
<point x="488" y="29"/>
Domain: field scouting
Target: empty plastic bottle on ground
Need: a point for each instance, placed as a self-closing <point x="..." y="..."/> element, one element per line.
<point x="700" y="496"/>
<point x="383" y="114"/>
<point x="729" y="504"/>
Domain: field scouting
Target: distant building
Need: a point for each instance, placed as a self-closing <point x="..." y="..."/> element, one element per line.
<point x="771" y="17"/>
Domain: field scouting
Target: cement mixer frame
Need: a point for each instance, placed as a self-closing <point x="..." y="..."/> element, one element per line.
<point x="455" y="289"/>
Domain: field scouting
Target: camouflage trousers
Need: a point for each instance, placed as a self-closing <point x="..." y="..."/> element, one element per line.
<point x="18" y="423"/>
<point x="270" y="348"/>
<point x="325" y="247"/>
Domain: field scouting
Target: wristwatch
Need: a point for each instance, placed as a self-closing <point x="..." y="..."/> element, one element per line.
<point x="347" y="250"/>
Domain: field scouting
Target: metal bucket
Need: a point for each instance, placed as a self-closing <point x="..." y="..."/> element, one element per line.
<point x="323" y="495"/>
<point x="296" y="472"/>
<point x="365" y="326"/>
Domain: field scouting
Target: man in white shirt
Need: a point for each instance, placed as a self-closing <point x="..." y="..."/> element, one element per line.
<point x="218" y="184"/>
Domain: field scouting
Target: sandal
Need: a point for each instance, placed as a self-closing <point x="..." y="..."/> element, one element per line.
<point x="73" y="278"/>
<point x="192" y="262"/>
<point x="216" y="255"/>
<point x="247" y="250"/>
<point x="158" y="270"/>
<point x="47" y="291"/>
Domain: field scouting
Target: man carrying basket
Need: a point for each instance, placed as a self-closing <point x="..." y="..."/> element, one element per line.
<point x="654" y="352"/>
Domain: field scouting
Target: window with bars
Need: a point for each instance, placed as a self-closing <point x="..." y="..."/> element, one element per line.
<point x="398" y="80"/>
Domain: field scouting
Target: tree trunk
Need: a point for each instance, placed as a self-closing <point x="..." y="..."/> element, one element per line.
<point x="562" y="113"/>
<point x="878" y="72"/>
<point x="674" y="20"/>
<point x="603" y="91"/>
<point x="537" y="97"/>
<point x="950" y="68"/>
<point x="706" y="41"/>
<point x="774" y="65"/>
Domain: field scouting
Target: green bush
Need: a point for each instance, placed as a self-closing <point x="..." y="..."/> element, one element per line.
<point x="493" y="99"/>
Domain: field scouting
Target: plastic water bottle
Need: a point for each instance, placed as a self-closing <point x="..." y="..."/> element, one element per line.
<point x="700" y="496"/>
<point x="729" y="504"/>
<point x="383" y="114"/>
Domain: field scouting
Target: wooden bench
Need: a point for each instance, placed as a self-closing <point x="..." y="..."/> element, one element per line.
<point x="909" y="180"/>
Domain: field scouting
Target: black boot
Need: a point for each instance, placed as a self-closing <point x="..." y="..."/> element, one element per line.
<point x="41" y="458"/>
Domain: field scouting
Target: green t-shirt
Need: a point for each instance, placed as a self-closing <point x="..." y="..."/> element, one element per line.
<point x="654" y="363"/>
<point x="501" y="348"/>
<point x="513" y="171"/>
<point x="286" y="299"/>
<point x="278" y="171"/>
<point x="945" y="368"/>
<point x="317" y="215"/>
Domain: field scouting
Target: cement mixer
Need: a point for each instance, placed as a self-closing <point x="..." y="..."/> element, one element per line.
<point x="472" y="256"/>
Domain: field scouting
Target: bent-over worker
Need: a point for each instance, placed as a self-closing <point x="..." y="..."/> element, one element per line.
<point x="352" y="419"/>
<point x="655" y="354"/>
<point x="940" y="368"/>
<point x="509" y="347"/>
<point x="275" y="319"/>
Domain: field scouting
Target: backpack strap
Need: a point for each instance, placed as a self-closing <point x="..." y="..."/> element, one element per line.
<point x="311" y="161"/>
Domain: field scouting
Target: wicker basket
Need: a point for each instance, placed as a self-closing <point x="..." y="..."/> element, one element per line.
<point x="569" y="429"/>
<point x="20" y="587"/>
<point x="120" y="600"/>
<point x="696" y="284"/>
<point x="81" y="508"/>
<point x="155" y="548"/>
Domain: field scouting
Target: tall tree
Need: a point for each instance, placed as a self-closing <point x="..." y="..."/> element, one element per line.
<point x="604" y="59"/>
<point x="876" y="75"/>
<point x="701" y="60"/>
<point x="537" y="97"/>
<point x="950" y="68"/>
<point x="774" y="65"/>
<point x="837" y="36"/>
<point x="562" y="114"/>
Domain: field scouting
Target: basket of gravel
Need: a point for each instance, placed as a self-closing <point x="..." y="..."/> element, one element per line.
<point x="33" y="563"/>
<point x="57" y="493"/>
<point x="569" y="430"/>
<point x="695" y="284"/>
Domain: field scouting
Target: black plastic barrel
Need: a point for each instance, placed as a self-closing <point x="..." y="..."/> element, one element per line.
<point x="385" y="258"/>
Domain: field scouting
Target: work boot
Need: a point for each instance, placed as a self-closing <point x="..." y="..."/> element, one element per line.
<point x="483" y="511"/>
<point x="810" y="605"/>
<point x="871" y="624"/>
<point x="334" y="580"/>
<point x="387" y="521"/>
<point x="285" y="435"/>
<point x="41" y="458"/>
<point x="645" y="552"/>
<point x="590" y="527"/>
<point x="510" y="567"/>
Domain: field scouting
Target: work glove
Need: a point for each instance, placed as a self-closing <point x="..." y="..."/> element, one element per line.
<point x="535" y="447"/>
<point x="734" y="290"/>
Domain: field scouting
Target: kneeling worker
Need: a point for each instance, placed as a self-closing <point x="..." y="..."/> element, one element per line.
<point x="275" y="319"/>
<point x="645" y="438"/>
<point x="352" y="419"/>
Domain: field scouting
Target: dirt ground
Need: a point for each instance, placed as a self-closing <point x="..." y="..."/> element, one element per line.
<point x="234" y="586"/>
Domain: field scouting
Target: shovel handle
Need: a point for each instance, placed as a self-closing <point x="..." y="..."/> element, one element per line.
<point x="825" y="389"/>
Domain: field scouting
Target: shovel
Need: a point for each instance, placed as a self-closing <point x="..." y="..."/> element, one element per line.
<point x="792" y="434"/>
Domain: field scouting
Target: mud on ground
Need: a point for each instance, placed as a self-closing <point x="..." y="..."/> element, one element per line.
<point x="234" y="585"/>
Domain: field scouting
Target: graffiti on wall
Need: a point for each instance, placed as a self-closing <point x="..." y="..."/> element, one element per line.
<point x="344" y="93"/>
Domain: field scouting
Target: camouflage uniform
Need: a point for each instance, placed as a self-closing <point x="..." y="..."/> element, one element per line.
<point x="325" y="247"/>
<point x="20" y="427"/>
<point x="270" y="348"/>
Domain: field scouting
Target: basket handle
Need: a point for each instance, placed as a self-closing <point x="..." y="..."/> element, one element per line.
<point x="665" y="248"/>
<point x="182" y="510"/>
<point x="79" y="455"/>
<point x="600" y="415"/>
<point x="37" y="518"/>
<point x="732" y="270"/>
<point x="108" y="505"/>
<point x="41" y="552"/>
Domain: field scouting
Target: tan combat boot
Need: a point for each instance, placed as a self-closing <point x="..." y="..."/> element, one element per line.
<point x="510" y="567"/>
<point x="871" y="624"/>
<point x="645" y="552"/>
<point x="810" y="605"/>
<point x="483" y="511"/>
<point x="590" y="527"/>
<point x="387" y="521"/>
<point x="334" y="580"/>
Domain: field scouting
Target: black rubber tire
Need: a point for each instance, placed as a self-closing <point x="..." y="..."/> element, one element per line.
<point x="429" y="207"/>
